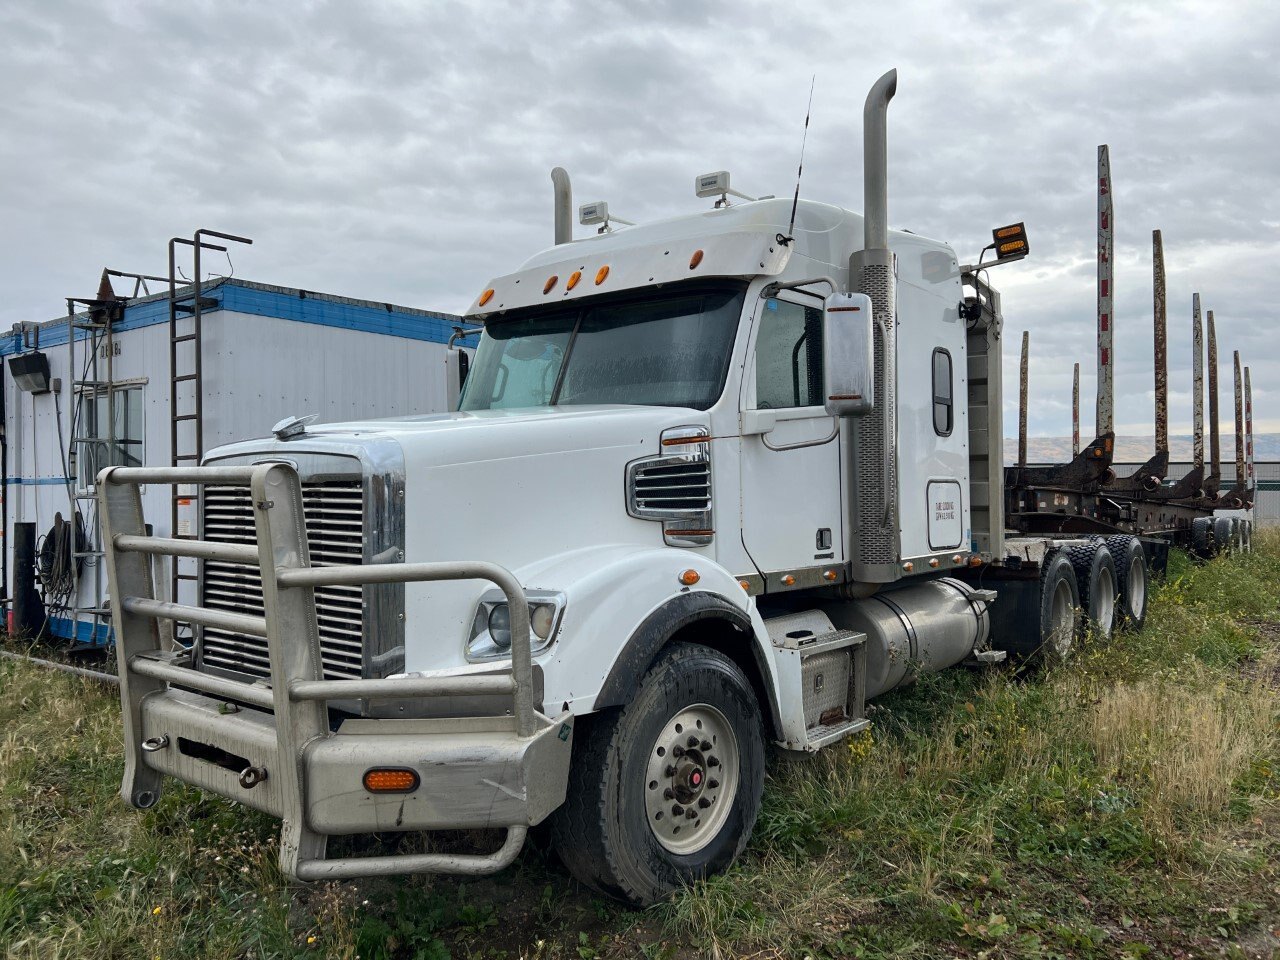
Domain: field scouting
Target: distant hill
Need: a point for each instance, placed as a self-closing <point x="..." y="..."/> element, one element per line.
<point x="1266" y="447"/>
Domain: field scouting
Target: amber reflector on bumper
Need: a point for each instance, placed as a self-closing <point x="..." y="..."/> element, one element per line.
<point x="391" y="780"/>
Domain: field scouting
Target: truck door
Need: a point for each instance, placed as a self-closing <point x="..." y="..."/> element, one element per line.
<point x="791" y="484"/>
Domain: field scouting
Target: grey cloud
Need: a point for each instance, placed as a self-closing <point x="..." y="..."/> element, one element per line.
<point x="400" y="151"/>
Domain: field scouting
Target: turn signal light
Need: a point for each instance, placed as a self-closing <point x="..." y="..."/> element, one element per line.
<point x="391" y="780"/>
<point x="690" y="577"/>
<point x="1010" y="242"/>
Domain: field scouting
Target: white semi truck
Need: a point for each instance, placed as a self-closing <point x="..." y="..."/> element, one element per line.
<point x="712" y="484"/>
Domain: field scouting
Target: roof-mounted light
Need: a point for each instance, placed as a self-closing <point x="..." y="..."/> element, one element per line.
<point x="717" y="185"/>
<point x="589" y="214"/>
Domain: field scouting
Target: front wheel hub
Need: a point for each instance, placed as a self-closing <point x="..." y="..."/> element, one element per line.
<point x="700" y="738"/>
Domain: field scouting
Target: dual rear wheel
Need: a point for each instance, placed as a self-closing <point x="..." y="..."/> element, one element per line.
<point x="1101" y="585"/>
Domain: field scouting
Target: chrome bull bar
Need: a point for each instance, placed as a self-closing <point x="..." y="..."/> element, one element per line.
<point x="297" y="694"/>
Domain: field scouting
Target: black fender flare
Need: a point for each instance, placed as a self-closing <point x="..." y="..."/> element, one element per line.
<point x="657" y="629"/>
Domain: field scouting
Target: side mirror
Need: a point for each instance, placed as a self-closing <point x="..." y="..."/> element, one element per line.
<point x="847" y="360"/>
<point x="457" y="363"/>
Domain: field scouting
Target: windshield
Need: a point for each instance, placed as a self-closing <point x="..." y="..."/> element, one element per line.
<point x="662" y="349"/>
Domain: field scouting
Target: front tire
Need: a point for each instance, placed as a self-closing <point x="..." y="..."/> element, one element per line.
<point x="665" y="790"/>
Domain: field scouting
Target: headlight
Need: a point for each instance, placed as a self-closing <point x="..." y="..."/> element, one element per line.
<point x="491" y="628"/>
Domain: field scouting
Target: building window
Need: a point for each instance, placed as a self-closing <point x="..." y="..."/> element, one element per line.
<point x="97" y="445"/>
<point x="789" y="356"/>
<point x="942" y="404"/>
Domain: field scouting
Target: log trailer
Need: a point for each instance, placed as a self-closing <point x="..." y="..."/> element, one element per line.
<point x="713" y="483"/>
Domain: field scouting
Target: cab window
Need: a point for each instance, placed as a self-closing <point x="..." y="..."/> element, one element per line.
<point x="789" y="356"/>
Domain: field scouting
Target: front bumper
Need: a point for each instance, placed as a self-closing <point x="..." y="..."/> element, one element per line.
<point x="474" y="773"/>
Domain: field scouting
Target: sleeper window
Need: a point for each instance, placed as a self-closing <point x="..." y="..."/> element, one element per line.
<point x="942" y="402"/>
<point x="789" y="356"/>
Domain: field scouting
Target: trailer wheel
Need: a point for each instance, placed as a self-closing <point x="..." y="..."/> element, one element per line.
<point x="1059" y="601"/>
<point x="1132" y="576"/>
<point x="1096" y="577"/>
<point x="1222" y="538"/>
<point x="1202" y="537"/>
<point x="665" y="790"/>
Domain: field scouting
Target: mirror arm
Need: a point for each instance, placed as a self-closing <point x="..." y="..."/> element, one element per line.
<point x="773" y="289"/>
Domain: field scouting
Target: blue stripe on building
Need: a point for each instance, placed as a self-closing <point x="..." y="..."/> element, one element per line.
<point x="262" y="301"/>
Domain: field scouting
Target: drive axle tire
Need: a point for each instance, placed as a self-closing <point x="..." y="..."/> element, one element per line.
<point x="665" y="790"/>
<point x="1132" y="576"/>
<point x="1059" y="603"/>
<point x="1096" y="577"/>
<point x="1222" y="535"/>
<point x="1202" y="537"/>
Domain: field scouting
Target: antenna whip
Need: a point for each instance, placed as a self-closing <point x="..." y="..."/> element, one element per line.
<point x="795" y="200"/>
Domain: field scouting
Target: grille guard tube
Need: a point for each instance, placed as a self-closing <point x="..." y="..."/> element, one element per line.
<point x="298" y="693"/>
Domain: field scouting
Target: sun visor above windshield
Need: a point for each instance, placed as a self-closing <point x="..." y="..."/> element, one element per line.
<point x="603" y="268"/>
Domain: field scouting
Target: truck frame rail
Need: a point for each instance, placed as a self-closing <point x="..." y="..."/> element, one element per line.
<point x="504" y="772"/>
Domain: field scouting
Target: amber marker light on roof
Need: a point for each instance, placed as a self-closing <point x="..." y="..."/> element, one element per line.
<point x="695" y="259"/>
<point x="551" y="282"/>
<point x="391" y="780"/>
<point x="573" y="279"/>
<point x="601" y="274"/>
<point x="690" y="577"/>
<point x="486" y="296"/>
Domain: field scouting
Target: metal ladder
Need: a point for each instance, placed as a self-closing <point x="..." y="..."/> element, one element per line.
<point x="95" y="330"/>
<point x="186" y="444"/>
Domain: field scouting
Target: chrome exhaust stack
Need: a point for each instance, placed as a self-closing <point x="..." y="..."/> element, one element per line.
<point x="563" y="205"/>
<point x="871" y="272"/>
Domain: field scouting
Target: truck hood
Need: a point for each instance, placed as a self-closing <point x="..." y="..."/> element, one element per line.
<point x="532" y="490"/>
<point x="492" y="436"/>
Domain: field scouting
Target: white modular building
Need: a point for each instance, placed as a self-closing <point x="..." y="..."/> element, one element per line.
<point x="143" y="386"/>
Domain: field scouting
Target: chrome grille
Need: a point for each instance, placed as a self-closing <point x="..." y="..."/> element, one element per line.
<point x="334" y="512"/>
<point x="674" y="486"/>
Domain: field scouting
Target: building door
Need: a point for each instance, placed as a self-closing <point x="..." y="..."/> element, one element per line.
<point x="791" y="476"/>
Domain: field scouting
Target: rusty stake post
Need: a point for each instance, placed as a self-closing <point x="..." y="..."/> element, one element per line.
<point x="1215" y="444"/>
<point x="1240" y="477"/>
<point x="1022" y="404"/>
<point x="1197" y="385"/>
<point x="1248" y="428"/>
<point x="1075" y="411"/>
<point x="1161" y="344"/>
<point x="1106" y="357"/>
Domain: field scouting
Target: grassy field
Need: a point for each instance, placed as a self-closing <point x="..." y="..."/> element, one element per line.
<point x="1126" y="804"/>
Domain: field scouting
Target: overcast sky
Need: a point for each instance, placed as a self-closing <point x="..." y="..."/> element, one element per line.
<point x="401" y="152"/>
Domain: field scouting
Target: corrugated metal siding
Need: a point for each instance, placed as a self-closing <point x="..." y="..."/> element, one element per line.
<point x="257" y="370"/>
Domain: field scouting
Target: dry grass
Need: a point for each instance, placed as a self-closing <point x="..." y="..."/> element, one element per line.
<point x="1182" y="748"/>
